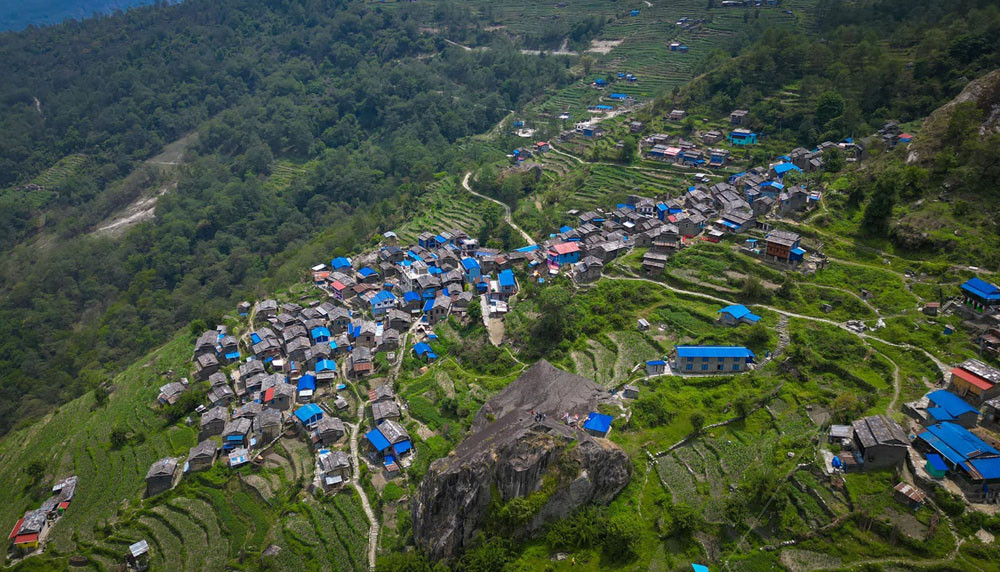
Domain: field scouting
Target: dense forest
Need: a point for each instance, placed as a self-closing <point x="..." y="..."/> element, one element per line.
<point x="867" y="63"/>
<point x="372" y="102"/>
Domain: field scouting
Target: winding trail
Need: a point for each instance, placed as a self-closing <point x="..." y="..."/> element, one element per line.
<point x="506" y="209"/>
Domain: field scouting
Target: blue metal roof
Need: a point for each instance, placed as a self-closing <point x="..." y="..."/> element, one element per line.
<point x="618" y="96"/>
<point x="730" y="224"/>
<point x="383" y="297"/>
<point x="506" y="278"/>
<point x="340" y="262"/>
<point x="529" y="248"/>
<point x="958" y="443"/>
<point x="366" y="272"/>
<point x="656" y="362"/>
<point x="798" y="251"/>
<point x="714" y="351"/>
<point x="428" y="305"/>
<point x="233" y="355"/>
<point x="936" y="462"/>
<point x="782" y="168"/>
<point x="255" y="338"/>
<point x="320" y="332"/>
<point x="982" y="289"/>
<point x="402" y="447"/>
<point x="736" y="310"/>
<point x="951" y="403"/>
<point x="307" y="382"/>
<point x="470" y="263"/>
<point x="376" y="438"/>
<point x="989" y="468"/>
<point x="309" y="412"/>
<point x="411" y="296"/>
<point x="598" y="422"/>
<point x="325" y="364"/>
<point x="422" y="348"/>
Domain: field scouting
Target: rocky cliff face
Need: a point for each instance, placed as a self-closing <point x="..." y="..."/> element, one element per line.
<point x="509" y="454"/>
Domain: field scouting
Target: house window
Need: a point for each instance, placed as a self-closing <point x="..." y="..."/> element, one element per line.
<point x="689" y="366"/>
<point x="704" y="359"/>
<point x="704" y="367"/>
<point x="719" y="368"/>
<point x="736" y="367"/>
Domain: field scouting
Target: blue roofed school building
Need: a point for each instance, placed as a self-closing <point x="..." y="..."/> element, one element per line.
<point x="712" y="359"/>
<point x="941" y="406"/>
<point x="598" y="424"/>
<point x="972" y="463"/>
<point x="980" y="296"/>
<point x="737" y="314"/>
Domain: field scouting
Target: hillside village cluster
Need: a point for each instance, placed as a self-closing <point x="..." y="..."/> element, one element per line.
<point x="288" y="374"/>
<point x="278" y="379"/>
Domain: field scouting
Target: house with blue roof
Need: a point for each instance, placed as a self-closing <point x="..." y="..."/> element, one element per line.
<point x="368" y="275"/>
<point x="945" y="406"/>
<point x="308" y="415"/>
<point x="598" y="424"/>
<point x="506" y="286"/>
<point x="618" y="96"/>
<point x="411" y="301"/>
<point x="306" y="387"/>
<point x="712" y="359"/>
<point x="423" y="351"/>
<point x="340" y="263"/>
<point x="980" y="296"/>
<point x="782" y="169"/>
<point x="656" y="367"/>
<point x="737" y="314"/>
<point x="320" y="335"/>
<point x="382" y="302"/>
<point x="742" y="137"/>
<point x="471" y="270"/>
<point x="974" y="462"/>
<point x="600" y="82"/>
<point x="326" y="369"/>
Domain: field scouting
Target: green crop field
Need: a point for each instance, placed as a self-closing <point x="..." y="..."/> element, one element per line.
<point x="445" y="206"/>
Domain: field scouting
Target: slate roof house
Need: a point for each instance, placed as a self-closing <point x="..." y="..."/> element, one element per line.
<point x="268" y="425"/>
<point x="328" y="430"/>
<point x="160" y="476"/>
<point x="783" y="246"/>
<point x="334" y="468"/>
<point x="213" y="421"/>
<point x="201" y="456"/>
<point x="879" y="442"/>
<point x="206" y="365"/>
<point x="360" y="362"/>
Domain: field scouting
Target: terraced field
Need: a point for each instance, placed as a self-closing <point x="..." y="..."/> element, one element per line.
<point x="52" y="176"/>
<point x="283" y="172"/>
<point x="329" y="535"/>
<point x="444" y="206"/>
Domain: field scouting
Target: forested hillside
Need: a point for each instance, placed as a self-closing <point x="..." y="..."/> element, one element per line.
<point x="362" y="103"/>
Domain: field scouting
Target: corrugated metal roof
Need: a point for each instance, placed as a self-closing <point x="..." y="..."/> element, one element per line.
<point x="714" y="351"/>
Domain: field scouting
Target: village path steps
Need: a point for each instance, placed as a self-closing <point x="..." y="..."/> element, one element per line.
<point x="373" y="530"/>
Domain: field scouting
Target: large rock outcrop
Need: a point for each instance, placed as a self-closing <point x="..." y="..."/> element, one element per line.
<point x="509" y="454"/>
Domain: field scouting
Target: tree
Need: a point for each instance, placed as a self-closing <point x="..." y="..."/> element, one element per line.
<point x="118" y="437"/>
<point x="621" y="536"/>
<point x="35" y="470"/>
<point x="587" y="62"/>
<point x="628" y="150"/>
<point x="753" y="289"/>
<point x="829" y="106"/>
<point x="697" y="421"/>
<point x="833" y="161"/>
<point x="875" y="220"/>
<point x="475" y="313"/>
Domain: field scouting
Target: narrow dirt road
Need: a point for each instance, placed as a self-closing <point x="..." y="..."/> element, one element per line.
<point x="506" y="209"/>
